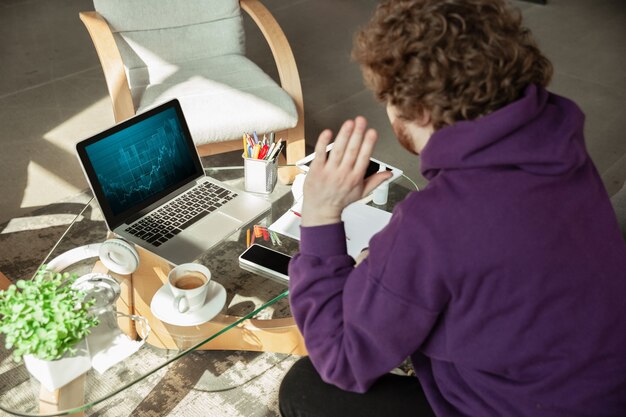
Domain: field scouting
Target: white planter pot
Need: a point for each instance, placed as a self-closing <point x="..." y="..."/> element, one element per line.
<point x="55" y="374"/>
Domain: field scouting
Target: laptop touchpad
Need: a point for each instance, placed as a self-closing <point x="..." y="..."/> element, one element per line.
<point x="215" y="226"/>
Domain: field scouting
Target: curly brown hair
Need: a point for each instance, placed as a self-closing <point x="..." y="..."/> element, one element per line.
<point x="457" y="59"/>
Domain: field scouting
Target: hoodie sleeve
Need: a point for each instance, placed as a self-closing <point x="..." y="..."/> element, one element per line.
<point x="356" y="326"/>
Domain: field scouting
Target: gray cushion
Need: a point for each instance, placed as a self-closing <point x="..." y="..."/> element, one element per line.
<point x="221" y="97"/>
<point x="135" y="15"/>
<point x="149" y="32"/>
<point x="180" y="44"/>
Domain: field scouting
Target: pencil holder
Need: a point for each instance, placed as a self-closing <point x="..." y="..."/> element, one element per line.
<point x="260" y="175"/>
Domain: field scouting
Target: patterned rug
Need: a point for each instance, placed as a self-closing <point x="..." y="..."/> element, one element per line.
<point x="208" y="383"/>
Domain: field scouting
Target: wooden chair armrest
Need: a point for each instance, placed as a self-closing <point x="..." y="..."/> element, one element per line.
<point x="4" y="282"/>
<point x="279" y="45"/>
<point x="112" y="64"/>
<point x="287" y="70"/>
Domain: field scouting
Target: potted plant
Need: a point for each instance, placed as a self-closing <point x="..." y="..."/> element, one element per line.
<point x="45" y="321"/>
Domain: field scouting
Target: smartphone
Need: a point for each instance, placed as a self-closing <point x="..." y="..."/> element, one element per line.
<point x="372" y="167"/>
<point x="266" y="262"/>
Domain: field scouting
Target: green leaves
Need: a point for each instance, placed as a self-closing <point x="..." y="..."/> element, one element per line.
<point x="44" y="317"/>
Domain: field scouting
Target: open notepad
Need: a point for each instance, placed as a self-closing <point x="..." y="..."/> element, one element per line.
<point x="361" y="222"/>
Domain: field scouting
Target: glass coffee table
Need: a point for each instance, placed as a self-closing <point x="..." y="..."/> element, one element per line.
<point x="255" y="317"/>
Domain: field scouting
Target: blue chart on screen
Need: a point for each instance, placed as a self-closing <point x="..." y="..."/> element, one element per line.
<point x="141" y="160"/>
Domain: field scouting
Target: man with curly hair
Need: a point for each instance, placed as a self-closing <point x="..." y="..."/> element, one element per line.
<point x="504" y="279"/>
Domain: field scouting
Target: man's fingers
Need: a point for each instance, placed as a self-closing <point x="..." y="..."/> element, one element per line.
<point x="341" y="142"/>
<point x="365" y="150"/>
<point x="354" y="143"/>
<point x="374" y="181"/>
<point x="351" y="152"/>
<point x="320" y="147"/>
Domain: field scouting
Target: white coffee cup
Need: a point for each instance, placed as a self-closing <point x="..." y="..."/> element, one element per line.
<point x="189" y="284"/>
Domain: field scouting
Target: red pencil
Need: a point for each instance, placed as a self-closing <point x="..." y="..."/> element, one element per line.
<point x="296" y="213"/>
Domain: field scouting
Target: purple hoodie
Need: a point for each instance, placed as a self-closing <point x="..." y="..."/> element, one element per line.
<point x="504" y="279"/>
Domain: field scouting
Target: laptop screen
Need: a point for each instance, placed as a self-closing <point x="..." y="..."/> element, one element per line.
<point x="140" y="161"/>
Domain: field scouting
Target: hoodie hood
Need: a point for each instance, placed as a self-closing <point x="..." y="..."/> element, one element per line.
<point x="541" y="133"/>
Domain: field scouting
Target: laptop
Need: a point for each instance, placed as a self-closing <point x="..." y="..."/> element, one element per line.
<point x="147" y="177"/>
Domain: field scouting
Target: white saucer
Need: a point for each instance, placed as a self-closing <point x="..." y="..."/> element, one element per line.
<point x="162" y="306"/>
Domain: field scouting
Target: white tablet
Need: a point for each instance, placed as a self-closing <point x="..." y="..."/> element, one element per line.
<point x="372" y="168"/>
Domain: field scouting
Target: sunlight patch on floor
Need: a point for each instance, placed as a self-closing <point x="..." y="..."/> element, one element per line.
<point x="44" y="186"/>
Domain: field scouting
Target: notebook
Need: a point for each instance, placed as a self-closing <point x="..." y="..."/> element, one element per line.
<point x="147" y="177"/>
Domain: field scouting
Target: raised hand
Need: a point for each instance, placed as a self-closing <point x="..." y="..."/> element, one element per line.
<point x="335" y="181"/>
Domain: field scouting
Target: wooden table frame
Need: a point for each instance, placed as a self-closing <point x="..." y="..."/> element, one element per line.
<point x="275" y="335"/>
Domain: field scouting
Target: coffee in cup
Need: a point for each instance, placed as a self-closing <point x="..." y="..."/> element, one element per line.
<point x="189" y="284"/>
<point x="190" y="281"/>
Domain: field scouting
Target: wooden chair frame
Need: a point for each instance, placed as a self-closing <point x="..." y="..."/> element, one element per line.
<point x="4" y="282"/>
<point x="119" y="90"/>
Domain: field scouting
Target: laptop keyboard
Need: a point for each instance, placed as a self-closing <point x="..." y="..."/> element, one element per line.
<point x="174" y="217"/>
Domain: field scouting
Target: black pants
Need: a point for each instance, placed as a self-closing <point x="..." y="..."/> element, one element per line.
<point x="304" y="394"/>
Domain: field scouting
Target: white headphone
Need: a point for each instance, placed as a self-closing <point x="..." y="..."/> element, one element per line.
<point x="117" y="255"/>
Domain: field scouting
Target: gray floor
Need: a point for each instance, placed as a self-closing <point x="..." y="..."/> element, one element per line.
<point x="52" y="91"/>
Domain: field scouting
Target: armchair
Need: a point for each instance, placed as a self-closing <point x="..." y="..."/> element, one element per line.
<point x="151" y="52"/>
